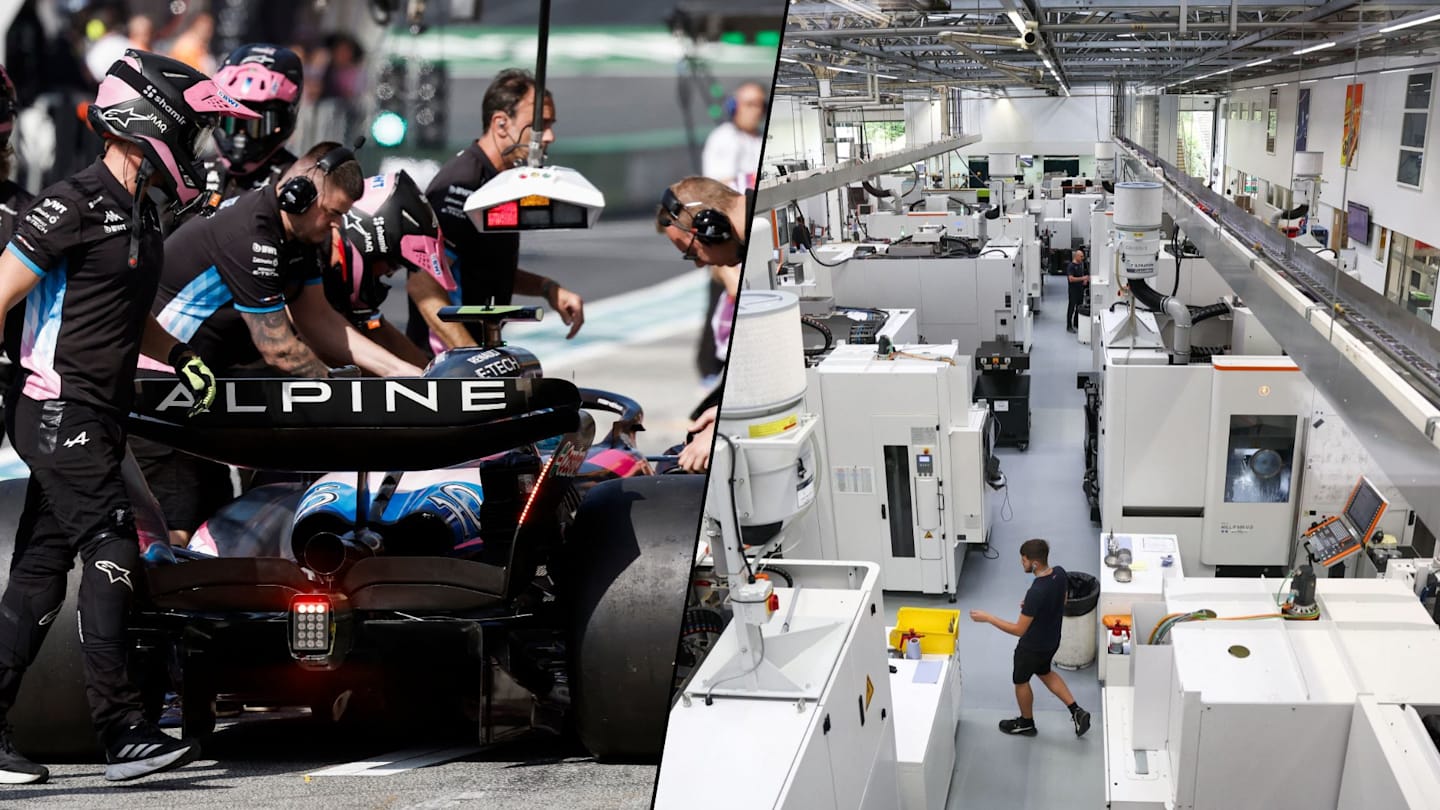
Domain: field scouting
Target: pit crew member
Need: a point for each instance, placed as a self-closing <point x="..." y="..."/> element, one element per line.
<point x="89" y="253"/>
<point x="487" y="265"/>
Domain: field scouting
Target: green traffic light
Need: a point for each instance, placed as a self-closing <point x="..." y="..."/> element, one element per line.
<point x="733" y="38"/>
<point x="715" y="111"/>
<point x="767" y="38"/>
<point x="388" y="128"/>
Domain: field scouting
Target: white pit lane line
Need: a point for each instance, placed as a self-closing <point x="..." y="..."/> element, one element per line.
<point x="397" y="762"/>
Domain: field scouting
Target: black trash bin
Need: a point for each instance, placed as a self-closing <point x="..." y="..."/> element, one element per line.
<point x="1077" y="631"/>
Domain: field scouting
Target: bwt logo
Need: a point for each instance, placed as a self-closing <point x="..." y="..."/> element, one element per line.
<point x="391" y="396"/>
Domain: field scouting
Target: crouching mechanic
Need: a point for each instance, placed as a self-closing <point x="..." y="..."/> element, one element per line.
<point x="390" y="228"/>
<point x="234" y="287"/>
<point x="710" y="224"/>
<point x="88" y="253"/>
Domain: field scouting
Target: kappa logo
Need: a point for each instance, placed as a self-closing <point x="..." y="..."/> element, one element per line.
<point x="80" y="439"/>
<point x="115" y="573"/>
<point x="111" y="216"/>
<point x="126" y="116"/>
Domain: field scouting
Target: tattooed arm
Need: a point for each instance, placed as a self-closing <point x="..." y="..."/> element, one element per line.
<point x="280" y="347"/>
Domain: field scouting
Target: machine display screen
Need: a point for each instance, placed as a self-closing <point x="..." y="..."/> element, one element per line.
<point x="1260" y="460"/>
<point x="1357" y="222"/>
<point x="1364" y="509"/>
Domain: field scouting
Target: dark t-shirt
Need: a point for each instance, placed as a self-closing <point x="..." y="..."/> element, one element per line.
<point x="483" y="264"/>
<point x="13" y="200"/>
<point x="233" y="262"/>
<point x="1045" y="604"/>
<point x="84" y="318"/>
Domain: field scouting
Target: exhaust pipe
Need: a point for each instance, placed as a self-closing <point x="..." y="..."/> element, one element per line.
<point x="326" y="553"/>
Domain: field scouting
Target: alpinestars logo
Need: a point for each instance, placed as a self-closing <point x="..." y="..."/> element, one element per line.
<point x="115" y="573"/>
<point x="111" y="216"/>
<point x="125" y="116"/>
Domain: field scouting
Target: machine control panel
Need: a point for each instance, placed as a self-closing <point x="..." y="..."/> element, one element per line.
<point x="924" y="465"/>
<point x="1331" y="541"/>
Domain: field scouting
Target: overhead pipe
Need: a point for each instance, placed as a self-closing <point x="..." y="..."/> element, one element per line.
<point x="1058" y="28"/>
<point x="1176" y="309"/>
<point x="1014" y="71"/>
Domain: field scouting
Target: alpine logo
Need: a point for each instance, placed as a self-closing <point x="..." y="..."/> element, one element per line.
<point x="80" y="439"/>
<point x="126" y="116"/>
<point x="111" y="216"/>
<point x="115" y="573"/>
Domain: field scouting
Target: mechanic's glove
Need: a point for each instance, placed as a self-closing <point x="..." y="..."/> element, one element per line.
<point x="195" y="376"/>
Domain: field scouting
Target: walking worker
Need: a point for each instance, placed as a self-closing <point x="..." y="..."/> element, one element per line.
<point x="1079" y="279"/>
<point x="1039" y="631"/>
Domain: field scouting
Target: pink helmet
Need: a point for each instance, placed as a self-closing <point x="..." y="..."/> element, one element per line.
<point x="166" y="108"/>
<point x="393" y="221"/>
<point x="267" y="79"/>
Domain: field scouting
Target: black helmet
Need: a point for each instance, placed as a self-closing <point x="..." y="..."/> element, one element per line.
<point x="166" y="108"/>
<point x="267" y="78"/>
<point x="8" y="106"/>
<point x="394" y="222"/>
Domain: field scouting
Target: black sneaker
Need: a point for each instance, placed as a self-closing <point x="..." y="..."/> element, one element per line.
<point x="1019" y="725"/>
<point x="15" y="769"/>
<point x="143" y="749"/>
<point x="1082" y="721"/>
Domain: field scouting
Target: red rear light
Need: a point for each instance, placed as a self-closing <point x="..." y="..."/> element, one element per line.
<point x="505" y="215"/>
<point x="311" y="626"/>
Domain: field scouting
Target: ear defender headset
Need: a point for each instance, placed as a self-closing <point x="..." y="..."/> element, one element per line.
<point x="299" y="193"/>
<point x="710" y="226"/>
<point x="730" y="107"/>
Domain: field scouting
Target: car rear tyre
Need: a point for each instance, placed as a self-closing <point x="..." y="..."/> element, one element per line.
<point x="629" y="559"/>
<point x="51" y="717"/>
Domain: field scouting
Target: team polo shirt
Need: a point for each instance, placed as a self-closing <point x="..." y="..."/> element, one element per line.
<point x="220" y="267"/>
<point x="84" y="318"/>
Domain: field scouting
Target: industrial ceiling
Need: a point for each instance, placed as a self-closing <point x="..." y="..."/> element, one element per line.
<point x="908" y="46"/>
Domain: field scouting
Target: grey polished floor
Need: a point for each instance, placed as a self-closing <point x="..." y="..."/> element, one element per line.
<point x="1053" y="769"/>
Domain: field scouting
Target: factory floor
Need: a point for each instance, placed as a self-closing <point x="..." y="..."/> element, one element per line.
<point x="1053" y="769"/>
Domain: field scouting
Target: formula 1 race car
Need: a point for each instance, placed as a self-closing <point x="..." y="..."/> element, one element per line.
<point x="489" y="560"/>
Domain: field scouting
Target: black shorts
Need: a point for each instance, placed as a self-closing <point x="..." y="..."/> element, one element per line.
<point x="1029" y="663"/>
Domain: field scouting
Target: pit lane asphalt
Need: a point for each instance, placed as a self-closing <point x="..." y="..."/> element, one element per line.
<point x="262" y="762"/>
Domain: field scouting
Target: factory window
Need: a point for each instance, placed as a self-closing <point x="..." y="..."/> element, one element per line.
<point x="1411" y="274"/>
<point x="1414" y="123"/>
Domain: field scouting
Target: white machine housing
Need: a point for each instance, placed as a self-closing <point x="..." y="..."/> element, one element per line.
<point x="906" y="453"/>
<point x="955" y="299"/>
<point x="1173" y="452"/>
<point x="553" y="183"/>
<point x="1265" y="713"/>
<point x="832" y="748"/>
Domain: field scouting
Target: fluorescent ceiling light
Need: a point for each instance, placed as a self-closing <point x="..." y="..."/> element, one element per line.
<point x="789" y="60"/>
<point x="1282" y="84"/>
<point x="1260" y="62"/>
<point x="1395" y="70"/>
<point x="844" y="69"/>
<point x="1310" y="81"/>
<point x="1017" y="20"/>
<point x="1409" y="23"/>
<point x="1313" y="48"/>
<point x="885" y="76"/>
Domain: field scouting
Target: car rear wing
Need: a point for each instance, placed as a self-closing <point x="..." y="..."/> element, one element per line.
<point x="324" y="425"/>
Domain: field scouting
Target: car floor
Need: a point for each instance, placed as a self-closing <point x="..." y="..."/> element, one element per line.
<point x="994" y="771"/>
